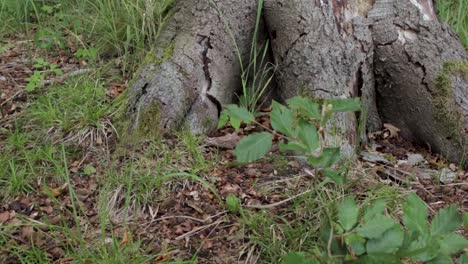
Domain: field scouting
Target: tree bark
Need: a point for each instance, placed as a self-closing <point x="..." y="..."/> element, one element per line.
<point x="415" y="93"/>
<point x="323" y="52"/>
<point x="408" y="69"/>
<point x="201" y="71"/>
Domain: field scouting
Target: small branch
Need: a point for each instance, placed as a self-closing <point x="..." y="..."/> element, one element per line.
<point x="268" y="206"/>
<point x="62" y="78"/>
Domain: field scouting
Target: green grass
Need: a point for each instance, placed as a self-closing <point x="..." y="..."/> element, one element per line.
<point x="454" y="13"/>
<point x="116" y="28"/>
<point x="61" y="123"/>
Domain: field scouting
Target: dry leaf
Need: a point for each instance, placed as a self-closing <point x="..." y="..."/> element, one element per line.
<point x="56" y="192"/>
<point x="394" y="131"/>
<point x="5" y="216"/>
<point x="126" y="238"/>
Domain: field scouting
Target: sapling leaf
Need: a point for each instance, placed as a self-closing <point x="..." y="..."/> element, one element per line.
<point x="306" y="106"/>
<point x="348" y="213"/>
<point x="334" y="175"/>
<point x="376" y="208"/>
<point x="356" y="243"/>
<point x="424" y="248"/>
<point x="253" y="147"/>
<point x="297" y="258"/>
<point x="465" y="219"/>
<point x="452" y="243"/>
<point x="446" y="221"/>
<point x="308" y="135"/>
<point x="292" y="146"/>
<point x="463" y="258"/>
<point x="389" y="242"/>
<point x="240" y="113"/>
<point x="223" y="119"/>
<point x="235" y="123"/>
<point x="329" y="157"/>
<point x="376" y="226"/>
<point x="415" y="214"/>
<point x="281" y="119"/>
<point x="344" y="105"/>
<point x="441" y="259"/>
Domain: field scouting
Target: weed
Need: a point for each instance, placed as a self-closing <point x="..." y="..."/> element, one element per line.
<point x="301" y="125"/>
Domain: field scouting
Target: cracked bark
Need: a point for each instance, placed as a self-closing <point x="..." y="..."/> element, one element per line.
<point x="411" y="50"/>
<point x="391" y="53"/>
<point x="203" y="71"/>
<point x="323" y="54"/>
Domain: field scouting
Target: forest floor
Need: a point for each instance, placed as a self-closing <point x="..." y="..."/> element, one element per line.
<point x="72" y="191"/>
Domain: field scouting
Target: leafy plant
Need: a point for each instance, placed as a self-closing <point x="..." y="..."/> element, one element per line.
<point x="257" y="72"/>
<point x="36" y="80"/>
<point x="375" y="237"/>
<point x="90" y="53"/>
<point x="301" y="125"/>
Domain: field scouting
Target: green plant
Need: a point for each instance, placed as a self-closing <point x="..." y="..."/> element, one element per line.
<point x="370" y="236"/>
<point x="301" y="126"/>
<point x="257" y="73"/>
<point x="90" y="53"/>
<point x="453" y="12"/>
<point x="42" y="68"/>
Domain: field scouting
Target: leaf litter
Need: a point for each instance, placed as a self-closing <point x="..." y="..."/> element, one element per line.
<point x="190" y="219"/>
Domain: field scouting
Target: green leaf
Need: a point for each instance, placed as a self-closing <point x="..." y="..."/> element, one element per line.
<point x="441" y="259"/>
<point x="446" y="221"/>
<point x="344" y="105"/>
<point x="31" y="86"/>
<point x="335" y="175"/>
<point x="293" y="146"/>
<point x="308" y="135"/>
<point x="223" y="119"/>
<point x="281" y="119"/>
<point x="297" y="258"/>
<point x="452" y="243"/>
<point x="348" y="213"/>
<point x="240" y="113"/>
<point x="253" y="147"/>
<point x="465" y="219"/>
<point x="424" y="248"/>
<point x="375" y="227"/>
<point x="415" y="214"/>
<point x="305" y="106"/>
<point x="356" y="243"/>
<point x="379" y="259"/>
<point x="89" y="169"/>
<point x="464" y="258"/>
<point x="329" y="157"/>
<point x="377" y="208"/>
<point x="389" y="242"/>
<point x="235" y="123"/>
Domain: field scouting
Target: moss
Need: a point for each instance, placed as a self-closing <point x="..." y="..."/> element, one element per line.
<point x="148" y="122"/>
<point x="280" y="163"/>
<point x="448" y="113"/>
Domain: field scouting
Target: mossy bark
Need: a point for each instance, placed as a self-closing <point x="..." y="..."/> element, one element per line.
<point x="415" y="92"/>
<point x="391" y="53"/>
<point x="202" y="71"/>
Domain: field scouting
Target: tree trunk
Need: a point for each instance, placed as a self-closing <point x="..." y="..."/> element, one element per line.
<point x="391" y="53"/>
<point x="416" y="92"/>
<point x="323" y="53"/>
<point x="196" y="68"/>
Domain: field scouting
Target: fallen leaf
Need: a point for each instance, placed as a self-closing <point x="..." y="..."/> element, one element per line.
<point x="126" y="238"/>
<point x="5" y="216"/>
